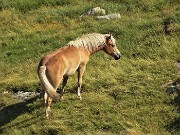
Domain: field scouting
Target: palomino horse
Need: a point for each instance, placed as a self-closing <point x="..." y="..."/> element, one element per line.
<point x="62" y="63"/>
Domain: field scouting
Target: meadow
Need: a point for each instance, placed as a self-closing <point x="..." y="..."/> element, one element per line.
<point x="125" y="97"/>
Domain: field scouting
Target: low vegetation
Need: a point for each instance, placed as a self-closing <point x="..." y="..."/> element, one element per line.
<point x="119" y="97"/>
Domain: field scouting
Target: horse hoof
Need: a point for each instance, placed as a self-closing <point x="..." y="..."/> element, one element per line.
<point x="46" y="117"/>
<point x="80" y="98"/>
<point x="61" y="98"/>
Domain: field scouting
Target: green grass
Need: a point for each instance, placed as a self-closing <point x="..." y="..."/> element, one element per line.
<point x="119" y="97"/>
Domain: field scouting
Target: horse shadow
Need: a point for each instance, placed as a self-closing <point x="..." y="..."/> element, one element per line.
<point x="11" y="112"/>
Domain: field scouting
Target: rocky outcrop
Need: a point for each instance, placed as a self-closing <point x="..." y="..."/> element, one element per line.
<point x="100" y="13"/>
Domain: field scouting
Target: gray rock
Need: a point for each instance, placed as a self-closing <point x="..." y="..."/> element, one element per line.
<point x="100" y="13"/>
<point x="23" y="96"/>
<point x="178" y="65"/>
<point x="110" y="16"/>
<point x="96" y="11"/>
<point x="172" y="89"/>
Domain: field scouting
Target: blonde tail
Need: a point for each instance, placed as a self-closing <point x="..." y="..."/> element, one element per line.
<point x="47" y="86"/>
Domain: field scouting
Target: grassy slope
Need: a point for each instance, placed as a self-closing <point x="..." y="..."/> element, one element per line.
<point x="125" y="96"/>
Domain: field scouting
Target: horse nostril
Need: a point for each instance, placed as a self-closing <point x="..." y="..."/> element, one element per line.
<point x="117" y="56"/>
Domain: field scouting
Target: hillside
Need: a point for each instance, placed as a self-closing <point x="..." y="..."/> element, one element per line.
<point x="119" y="97"/>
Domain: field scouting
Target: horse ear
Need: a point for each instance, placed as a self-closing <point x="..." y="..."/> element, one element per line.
<point x="110" y="35"/>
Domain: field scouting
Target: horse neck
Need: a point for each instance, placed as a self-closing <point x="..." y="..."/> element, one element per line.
<point x="101" y="47"/>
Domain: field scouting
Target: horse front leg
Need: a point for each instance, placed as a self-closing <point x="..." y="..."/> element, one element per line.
<point x="63" y="86"/>
<point x="80" y="75"/>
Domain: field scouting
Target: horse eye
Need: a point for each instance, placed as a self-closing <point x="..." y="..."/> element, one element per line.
<point x="113" y="45"/>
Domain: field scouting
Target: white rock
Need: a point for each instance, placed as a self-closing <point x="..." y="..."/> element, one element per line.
<point x="94" y="11"/>
<point x="178" y="66"/>
<point x="110" y="16"/>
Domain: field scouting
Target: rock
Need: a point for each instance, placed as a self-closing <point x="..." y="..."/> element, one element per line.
<point x="172" y="89"/>
<point x="178" y="65"/>
<point x="110" y="16"/>
<point x="23" y="96"/>
<point x="96" y="11"/>
<point x="5" y="92"/>
<point x="100" y="13"/>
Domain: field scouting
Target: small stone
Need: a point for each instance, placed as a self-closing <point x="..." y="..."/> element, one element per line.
<point x="5" y="92"/>
<point x="178" y="66"/>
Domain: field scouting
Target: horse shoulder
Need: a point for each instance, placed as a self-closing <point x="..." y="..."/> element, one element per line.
<point x="85" y="56"/>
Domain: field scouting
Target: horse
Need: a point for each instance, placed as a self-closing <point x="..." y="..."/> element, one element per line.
<point x="60" y="64"/>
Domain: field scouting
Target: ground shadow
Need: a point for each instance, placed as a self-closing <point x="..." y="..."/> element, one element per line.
<point x="72" y="90"/>
<point x="11" y="112"/>
<point x="174" y="126"/>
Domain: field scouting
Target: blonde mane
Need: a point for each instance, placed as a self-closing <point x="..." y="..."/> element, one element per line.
<point x="90" y="41"/>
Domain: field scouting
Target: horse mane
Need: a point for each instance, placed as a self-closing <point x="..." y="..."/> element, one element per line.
<point x="90" y="41"/>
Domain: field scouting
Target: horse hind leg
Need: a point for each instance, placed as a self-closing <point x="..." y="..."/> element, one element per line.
<point x="48" y="104"/>
<point x="48" y="100"/>
<point x="45" y="98"/>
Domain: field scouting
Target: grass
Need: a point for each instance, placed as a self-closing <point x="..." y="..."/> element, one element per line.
<point x="119" y="97"/>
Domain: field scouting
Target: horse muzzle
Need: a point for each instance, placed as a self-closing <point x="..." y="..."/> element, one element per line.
<point x="116" y="56"/>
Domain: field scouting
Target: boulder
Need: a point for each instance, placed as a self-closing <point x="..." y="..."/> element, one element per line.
<point x="96" y="11"/>
<point x="110" y="16"/>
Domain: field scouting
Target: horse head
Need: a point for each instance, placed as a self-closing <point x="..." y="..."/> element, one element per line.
<point x="111" y="48"/>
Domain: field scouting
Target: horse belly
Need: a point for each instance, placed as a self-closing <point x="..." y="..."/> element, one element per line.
<point x="71" y="66"/>
<point x="70" y="72"/>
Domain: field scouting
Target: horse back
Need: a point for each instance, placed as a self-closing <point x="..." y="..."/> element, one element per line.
<point x="64" y="61"/>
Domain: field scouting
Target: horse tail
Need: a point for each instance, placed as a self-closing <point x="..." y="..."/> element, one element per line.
<point x="49" y="89"/>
